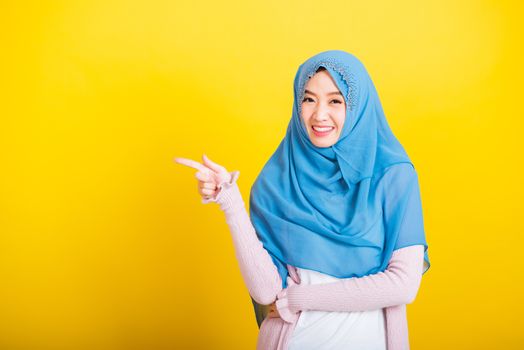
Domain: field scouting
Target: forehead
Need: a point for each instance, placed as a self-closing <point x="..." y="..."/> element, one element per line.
<point x="322" y="79"/>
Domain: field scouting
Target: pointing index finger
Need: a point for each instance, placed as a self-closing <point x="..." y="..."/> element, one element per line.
<point x="192" y="164"/>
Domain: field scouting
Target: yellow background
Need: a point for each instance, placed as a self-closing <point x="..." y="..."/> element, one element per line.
<point x="104" y="242"/>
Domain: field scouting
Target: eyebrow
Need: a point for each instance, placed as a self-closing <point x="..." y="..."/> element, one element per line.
<point x="329" y="93"/>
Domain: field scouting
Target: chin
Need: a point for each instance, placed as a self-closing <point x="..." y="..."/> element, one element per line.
<point x="323" y="144"/>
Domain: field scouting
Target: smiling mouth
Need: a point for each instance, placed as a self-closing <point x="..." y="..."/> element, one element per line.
<point x="322" y="132"/>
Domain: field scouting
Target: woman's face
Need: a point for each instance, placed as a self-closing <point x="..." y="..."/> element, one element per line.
<point x="323" y="106"/>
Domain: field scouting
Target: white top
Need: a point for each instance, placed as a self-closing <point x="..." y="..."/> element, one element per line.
<point x="362" y="330"/>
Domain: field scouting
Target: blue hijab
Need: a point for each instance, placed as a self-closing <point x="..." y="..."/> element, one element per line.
<point x="317" y="208"/>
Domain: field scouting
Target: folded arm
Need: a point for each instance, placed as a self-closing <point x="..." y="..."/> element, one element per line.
<point x="397" y="285"/>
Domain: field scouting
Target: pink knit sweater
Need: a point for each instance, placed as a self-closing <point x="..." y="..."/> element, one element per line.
<point x="391" y="289"/>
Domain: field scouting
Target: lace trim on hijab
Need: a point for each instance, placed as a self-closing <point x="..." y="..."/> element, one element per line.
<point x="348" y="77"/>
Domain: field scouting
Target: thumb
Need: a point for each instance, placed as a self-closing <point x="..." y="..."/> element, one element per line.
<point x="212" y="165"/>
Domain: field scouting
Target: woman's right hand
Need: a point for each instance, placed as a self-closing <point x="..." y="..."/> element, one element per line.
<point x="210" y="175"/>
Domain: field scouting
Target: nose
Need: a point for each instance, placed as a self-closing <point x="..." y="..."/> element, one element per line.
<point x="320" y="115"/>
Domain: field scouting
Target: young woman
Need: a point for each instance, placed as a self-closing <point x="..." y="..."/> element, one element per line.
<point x="334" y="246"/>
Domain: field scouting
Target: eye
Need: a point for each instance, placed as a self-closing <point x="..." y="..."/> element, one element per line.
<point x="309" y="98"/>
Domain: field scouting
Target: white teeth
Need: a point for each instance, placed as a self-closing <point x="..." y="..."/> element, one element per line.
<point x="323" y="129"/>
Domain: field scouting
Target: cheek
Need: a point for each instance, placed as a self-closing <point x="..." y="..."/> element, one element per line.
<point x="341" y="119"/>
<point x="306" y="113"/>
<point x="304" y="110"/>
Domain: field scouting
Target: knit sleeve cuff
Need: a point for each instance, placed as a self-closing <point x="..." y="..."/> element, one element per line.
<point x="228" y="195"/>
<point x="299" y="296"/>
<point x="286" y="313"/>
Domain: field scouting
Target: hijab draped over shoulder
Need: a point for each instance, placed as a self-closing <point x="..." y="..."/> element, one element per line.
<point x="326" y="209"/>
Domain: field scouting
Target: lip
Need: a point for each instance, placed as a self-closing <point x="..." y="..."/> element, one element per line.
<point x="322" y="134"/>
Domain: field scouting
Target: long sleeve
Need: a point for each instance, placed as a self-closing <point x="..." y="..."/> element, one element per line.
<point x="397" y="333"/>
<point x="397" y="285"/>
<point x="257" y="268"/>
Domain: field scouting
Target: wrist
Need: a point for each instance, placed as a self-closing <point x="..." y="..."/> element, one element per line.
<point x="287" y="303"/>
<point x="223" y="195"/>
<point x="229" y="197"/>
<point x="295" y="298"/>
